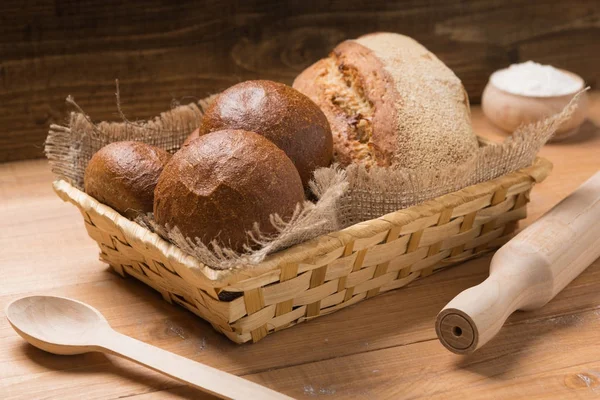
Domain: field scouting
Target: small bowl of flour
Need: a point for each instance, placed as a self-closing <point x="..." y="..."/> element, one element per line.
<point x="528" y="92"/>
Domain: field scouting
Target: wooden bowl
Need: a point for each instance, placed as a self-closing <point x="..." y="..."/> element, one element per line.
<point x="508" y="110"/>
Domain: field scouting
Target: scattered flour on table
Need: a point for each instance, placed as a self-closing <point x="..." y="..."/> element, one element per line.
<point x="586" y="379"/>
<point x="594" y="379"/>
<point x="566" y="320"/>
<point x="310" y="390"/>
<point x="327" y="391"/>
<point x="173" y="329"/>
<point x="533" y="79"/>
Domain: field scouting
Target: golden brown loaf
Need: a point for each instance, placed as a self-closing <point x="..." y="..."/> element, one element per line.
<point x="281" y="114"/>
<point x="390" y="101"/>
<point x="123" y="175"/>
<point x="220" y="184"/>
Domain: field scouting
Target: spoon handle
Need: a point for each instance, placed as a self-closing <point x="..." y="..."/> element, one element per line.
<point x="203" y="377"/>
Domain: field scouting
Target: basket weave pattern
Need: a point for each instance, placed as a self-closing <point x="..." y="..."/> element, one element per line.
<point x="325" y="274"/>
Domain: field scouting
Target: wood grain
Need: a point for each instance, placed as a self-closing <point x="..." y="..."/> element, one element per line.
<point x="163" y="52"/>
<point x="385" y="347"/>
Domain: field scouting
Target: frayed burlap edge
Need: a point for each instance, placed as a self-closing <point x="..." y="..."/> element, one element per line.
<point x="69" y="148"/>
<point x="346" y="197"/>
<point x="309" y="220"/>
<point x="378" y="191"/>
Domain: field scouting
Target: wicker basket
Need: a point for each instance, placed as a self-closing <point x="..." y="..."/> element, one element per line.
<point x="322" y="275"/>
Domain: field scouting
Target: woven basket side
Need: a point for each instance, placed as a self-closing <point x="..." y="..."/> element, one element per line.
<point x="322" y="250"/>
<point x="323" y="275"/>
<point x="383" y="263"/>
<point x="448" y="230"/>
<point x="118" y="236"/>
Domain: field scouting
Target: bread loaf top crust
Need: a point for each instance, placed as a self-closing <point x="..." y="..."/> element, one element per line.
<point x="390" y="101"/>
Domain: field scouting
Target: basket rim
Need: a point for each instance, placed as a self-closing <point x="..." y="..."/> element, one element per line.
<point x="195" y="270"/>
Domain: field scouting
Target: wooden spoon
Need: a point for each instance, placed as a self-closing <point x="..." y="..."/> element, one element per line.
<point x="64" y="326"/>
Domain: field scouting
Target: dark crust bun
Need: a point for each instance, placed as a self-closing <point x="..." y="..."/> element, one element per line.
<point x="280" y="113"/>
<point x="220" y="184"/>
<point x="123" y="175"/>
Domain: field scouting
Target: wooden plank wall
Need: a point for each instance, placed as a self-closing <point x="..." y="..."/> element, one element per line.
<point x="188" y="49"/>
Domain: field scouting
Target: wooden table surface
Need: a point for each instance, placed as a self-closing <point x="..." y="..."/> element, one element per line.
<point x="381" y="348"/>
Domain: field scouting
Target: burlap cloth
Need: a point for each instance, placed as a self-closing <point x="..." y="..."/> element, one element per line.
<point x="345" y="196"/>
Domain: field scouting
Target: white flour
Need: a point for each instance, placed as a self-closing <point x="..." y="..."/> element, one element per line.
<point x="533" y="79"/>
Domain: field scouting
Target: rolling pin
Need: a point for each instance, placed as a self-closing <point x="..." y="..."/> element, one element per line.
<point x="528" y="271"/>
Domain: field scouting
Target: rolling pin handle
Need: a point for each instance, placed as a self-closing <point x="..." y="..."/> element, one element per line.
<point x="528" y="271"/>
<point x="473" y="317"/>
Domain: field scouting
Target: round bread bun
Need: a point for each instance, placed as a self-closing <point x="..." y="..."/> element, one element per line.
<point x="194" y="135"/>
<point x="123" y="175"/>
<point x="220" y="184"/>
<point x="281" y="114"/>
<point x="390" y="101"/>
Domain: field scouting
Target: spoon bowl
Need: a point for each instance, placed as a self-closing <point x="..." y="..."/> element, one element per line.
<point x="56" y="324"/>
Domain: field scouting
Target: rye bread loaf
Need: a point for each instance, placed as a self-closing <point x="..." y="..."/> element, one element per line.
<point x="281" y="114"/>
<point x="390" y="101"/>
<point x="123" y="175"/>
<point x="221" y="183"/>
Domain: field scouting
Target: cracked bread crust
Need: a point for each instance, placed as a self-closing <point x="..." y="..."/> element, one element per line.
<point x="221" y="183"/>
<point x="350" y="88"/>
<point x="390" y="101"/>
